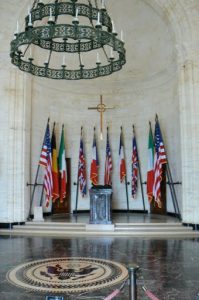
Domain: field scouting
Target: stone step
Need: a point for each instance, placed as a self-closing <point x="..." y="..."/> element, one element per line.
<point x="119" y="227"/>
<point x="129" y="225"/>
<point x="82" y="227"/>
<point x="30" y="223"/>
<point x="65" y="229"/>
<point x="153" y="228"/>
<point x="47" y="228"/>
<point x="55" y="233"/>
<point x="150" y="224"/>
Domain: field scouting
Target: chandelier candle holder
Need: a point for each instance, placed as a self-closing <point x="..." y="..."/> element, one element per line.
<point x="46" y="31"/>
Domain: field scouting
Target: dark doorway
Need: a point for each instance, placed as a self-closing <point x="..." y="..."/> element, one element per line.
<point x="64" y="208"/>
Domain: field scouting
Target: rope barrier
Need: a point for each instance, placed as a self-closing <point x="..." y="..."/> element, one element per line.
<point x="109" y="297"/>
<point x="116" y="292"/>
<point x="112" y="295"/>
<point x="149" y="294"/>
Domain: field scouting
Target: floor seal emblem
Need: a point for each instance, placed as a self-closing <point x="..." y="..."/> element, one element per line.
<point x="67" y="275"/>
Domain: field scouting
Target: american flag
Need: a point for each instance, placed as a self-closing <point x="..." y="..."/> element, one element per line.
<point x="122" y="160"/>
<point x="159" y="160"/>
<point x="46" y="162"/>
<point x="108" y="163"/>
<point x="82" y="169"/>
<point x="134" y="168"/>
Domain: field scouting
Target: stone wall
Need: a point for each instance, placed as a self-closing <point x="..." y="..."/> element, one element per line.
<point x="147" y="85"/>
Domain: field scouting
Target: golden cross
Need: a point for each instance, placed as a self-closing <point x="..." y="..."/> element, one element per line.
<point x="101" y="108"/>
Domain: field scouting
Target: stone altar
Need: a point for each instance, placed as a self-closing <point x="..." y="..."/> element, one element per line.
<point x="100" y="205"/>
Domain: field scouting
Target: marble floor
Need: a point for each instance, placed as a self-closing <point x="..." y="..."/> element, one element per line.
<point x="168" y="267"/>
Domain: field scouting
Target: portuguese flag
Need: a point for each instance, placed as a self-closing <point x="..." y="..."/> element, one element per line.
<point x="150" y="170"/>
<point x="55" y="175"/>
<point x="62" y="167"/>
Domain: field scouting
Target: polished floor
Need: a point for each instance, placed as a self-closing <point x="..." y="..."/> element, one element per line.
<point x="168" y="267"/>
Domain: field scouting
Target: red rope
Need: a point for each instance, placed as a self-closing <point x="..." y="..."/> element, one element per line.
<point x="150" y="294"/>
<point x="112" y="295"/>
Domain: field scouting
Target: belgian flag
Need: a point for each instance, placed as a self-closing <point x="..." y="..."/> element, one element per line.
<point x="55" y="174"/>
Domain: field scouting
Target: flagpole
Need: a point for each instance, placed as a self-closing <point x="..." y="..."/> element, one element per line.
<point x="126" y="182"/>
<point x="36" y="177"/>
<point x="171" y="184"/>
<point x="127" y="196"/>
<point x="41" y="199"/>
<point x="77" y="189"/>
<point x="140" y="175"/>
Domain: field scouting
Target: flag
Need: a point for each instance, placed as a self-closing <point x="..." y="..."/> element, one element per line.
<point x="122" y="160"/>
<point x="94" y="163"/>
<point x="108" y="163"/>
<point x="134" y="168"/>
<point x="159" y="161"/>
<point x="62" y="167"/>
<point x="46" y="161"/>
<point x="150" y="169"/>
<point x="82" y="169"/>
<point x="55" y="173"/>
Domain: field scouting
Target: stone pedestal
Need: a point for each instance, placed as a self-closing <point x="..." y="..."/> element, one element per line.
<point x="38" y="214"/>
<point x="100" y="205"/>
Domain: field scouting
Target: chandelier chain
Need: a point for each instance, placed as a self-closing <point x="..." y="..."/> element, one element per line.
<point x="34" y="4"/>
<point x="96" y="5"/>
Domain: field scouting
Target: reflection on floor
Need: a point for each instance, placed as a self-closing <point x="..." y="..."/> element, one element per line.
<point x="168" y="267"/>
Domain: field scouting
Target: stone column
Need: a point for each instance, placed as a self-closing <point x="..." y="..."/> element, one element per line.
<point x="15" y="142"/>
<point x="189" y="116"/>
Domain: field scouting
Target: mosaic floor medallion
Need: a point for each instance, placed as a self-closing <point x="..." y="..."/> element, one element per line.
<point x="67" y="275"/>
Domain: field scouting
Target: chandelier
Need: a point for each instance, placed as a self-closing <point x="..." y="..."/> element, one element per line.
<point x="46" y="30"/>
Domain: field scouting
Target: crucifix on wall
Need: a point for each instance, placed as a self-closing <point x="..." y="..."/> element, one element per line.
<point x="101" y="108"/>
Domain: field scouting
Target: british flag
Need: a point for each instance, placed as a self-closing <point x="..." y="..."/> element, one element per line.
<point x="134" y="168"/>
<point x="82" y="169"/>
<point x="159" y="160"/>
<point x="46" y="161"/>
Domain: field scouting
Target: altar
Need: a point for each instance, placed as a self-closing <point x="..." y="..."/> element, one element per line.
<point x="100" y="205"/>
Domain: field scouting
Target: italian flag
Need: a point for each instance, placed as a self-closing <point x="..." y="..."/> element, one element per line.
<point x="62" y="167"/>
<point x="150" y="170"/>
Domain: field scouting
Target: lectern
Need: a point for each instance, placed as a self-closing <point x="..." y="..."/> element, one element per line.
<point x="100" y="204"/>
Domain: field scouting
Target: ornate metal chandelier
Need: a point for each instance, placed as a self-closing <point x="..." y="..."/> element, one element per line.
<point x="46" y="30"/>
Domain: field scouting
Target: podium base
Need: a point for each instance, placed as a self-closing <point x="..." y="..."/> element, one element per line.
<point x="38" y="214"/>
<point x="100" y="227"/>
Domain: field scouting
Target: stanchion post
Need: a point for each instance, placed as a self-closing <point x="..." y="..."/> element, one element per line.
<point x="132" y="281"/>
